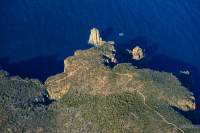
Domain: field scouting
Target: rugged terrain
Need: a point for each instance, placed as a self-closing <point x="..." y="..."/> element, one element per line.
<point x="23" y="105"/>
<point x="95" y="94"/>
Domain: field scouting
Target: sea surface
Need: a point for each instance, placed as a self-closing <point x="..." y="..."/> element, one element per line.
<point x="36" y="35"/>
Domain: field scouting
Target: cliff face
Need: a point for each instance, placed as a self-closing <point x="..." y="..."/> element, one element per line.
<point x="80" y="65"/>
<point x="122" y="99"/>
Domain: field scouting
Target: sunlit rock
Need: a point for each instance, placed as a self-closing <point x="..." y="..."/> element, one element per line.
<point x="137" y="53"/>
<point x="95" y="38"/>
<point x="186" y="105"/>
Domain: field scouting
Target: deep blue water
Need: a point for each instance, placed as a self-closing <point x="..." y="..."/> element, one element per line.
<point x="36" y="35"/>
<point x="39" y="28"/>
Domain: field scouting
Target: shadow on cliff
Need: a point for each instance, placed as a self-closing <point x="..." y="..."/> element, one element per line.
<point x="40" y="67"/>
<point x="160" y="62"/>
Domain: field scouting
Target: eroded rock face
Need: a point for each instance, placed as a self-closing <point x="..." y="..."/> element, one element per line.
<point x="187" y="105"/>
<point x="58" y="87"/>
<point x="110" y="52"/>
<point x="95" y="38"/>
<point x="137" y="53"/>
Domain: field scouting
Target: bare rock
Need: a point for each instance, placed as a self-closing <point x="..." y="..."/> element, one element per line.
<point x="95" y="38"/>
<point x="186" y="105"/>
<point x="57" y="86"/>
<point x="137" y="53"/>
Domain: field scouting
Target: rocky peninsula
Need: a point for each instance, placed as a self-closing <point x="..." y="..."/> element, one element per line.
<point x="91" y="97"/>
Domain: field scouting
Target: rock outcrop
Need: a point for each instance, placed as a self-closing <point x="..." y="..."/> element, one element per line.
<point x="95" y="38"/>
<point x="137" y="53"/>
<point x="187" y="105"/>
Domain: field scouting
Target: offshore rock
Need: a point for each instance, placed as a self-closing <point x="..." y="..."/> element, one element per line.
<point x="95" y="38"/>
<point x="137" y="53"/>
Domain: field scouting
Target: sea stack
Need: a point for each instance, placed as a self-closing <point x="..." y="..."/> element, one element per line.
<point x="137" y="53"/>
<point x="95" y="38"/>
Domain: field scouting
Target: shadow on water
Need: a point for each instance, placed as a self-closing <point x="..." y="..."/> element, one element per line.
<point x="160" y="62"/>
<point x="37" y="67"/>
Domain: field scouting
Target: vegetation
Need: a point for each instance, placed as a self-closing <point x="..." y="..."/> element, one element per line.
<point x="91" y="97"/>
<point x="22" y="106"/>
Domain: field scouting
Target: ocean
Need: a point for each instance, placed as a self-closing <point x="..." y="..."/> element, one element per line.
<point x="36" y="35"/>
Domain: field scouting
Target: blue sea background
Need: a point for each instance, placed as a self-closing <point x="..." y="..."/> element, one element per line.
<point x="36" y="35"/>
